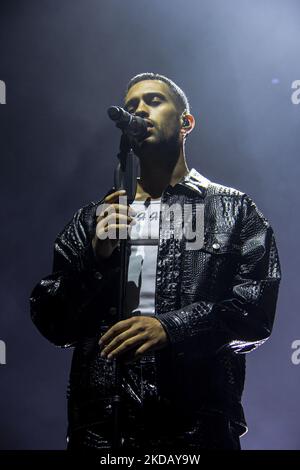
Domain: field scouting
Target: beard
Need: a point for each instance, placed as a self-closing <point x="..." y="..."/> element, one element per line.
<point x="163" y="150"/>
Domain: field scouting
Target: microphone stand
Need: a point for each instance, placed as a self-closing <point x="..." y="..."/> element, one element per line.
<point x="125" y="177"/>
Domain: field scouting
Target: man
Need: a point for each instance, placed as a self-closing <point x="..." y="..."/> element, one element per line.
<point x="192" y="314"/>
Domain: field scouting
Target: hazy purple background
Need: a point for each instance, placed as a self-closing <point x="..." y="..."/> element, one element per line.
<point x="64" y="62"/>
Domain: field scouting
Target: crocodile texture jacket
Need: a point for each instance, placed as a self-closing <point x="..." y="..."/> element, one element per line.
<point x="216" y="303"/>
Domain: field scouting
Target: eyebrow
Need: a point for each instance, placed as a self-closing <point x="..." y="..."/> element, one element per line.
<point x="148" y="94"/>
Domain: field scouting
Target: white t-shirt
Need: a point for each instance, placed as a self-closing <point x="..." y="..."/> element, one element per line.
<point x="143" y="243"/>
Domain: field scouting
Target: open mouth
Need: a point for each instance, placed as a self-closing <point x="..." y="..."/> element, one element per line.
<point x="150" y="124"/>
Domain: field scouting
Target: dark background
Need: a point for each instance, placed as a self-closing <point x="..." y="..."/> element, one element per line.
<point x="64" y="62"/>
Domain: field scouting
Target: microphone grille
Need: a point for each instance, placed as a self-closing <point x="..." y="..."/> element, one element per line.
<point x="114" y="113"/>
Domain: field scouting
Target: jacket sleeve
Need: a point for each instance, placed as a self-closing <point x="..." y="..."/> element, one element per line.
<point x="67" y="303"/>
<point x="243" y="321"/>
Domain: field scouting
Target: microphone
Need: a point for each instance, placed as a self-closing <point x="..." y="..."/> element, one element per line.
<point x="134" y="126"/>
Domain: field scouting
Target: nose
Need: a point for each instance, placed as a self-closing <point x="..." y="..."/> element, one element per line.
<point x="142" y="110"/>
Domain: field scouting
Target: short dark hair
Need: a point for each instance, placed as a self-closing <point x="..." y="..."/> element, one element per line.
<point x="180" y="97"/>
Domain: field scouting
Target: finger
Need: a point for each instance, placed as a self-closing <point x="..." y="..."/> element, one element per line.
<point x="116" y="329"/>
<point x="117" y="341"/>
<point x="117" y="218"/>
<point x="127" y="346"/>
<point x="123" y="208"/>
<point x="110" y="199"/>
<point x="144" y="349"/>
<point x="106" y="209"/>
<point x="113" y="220"/>
<point x="114" y="232"/>
<point x="114" y="196"/>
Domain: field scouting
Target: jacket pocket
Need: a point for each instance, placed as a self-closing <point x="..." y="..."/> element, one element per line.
<point x="207" y="273"/>
<point x="220" y="244"/>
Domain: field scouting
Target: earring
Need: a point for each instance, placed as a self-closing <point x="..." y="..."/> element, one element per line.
<point x="185" y="122"/>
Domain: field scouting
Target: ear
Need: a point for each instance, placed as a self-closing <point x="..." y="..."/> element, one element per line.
<point x="187" y="124"/>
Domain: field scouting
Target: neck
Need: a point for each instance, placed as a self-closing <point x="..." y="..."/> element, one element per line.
<point x="156" y="177"/>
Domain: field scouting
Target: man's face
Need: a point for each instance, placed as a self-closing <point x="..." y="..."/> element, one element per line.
<point x="153" y="101"/>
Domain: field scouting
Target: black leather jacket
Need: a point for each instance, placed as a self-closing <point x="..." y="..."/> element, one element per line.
<point x="216" y="304"/>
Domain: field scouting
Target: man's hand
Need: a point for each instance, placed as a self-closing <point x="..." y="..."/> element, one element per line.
<point x="138" y="335"/>
<point x="114" y="219"/>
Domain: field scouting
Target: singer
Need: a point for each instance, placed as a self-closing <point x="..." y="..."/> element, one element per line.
<point x="191" y="314"/>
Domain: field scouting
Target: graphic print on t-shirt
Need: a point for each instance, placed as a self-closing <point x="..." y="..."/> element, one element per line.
<point x="143" y="242"/>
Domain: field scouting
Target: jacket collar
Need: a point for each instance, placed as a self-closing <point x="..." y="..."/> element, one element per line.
<point x="195" y="181"/>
